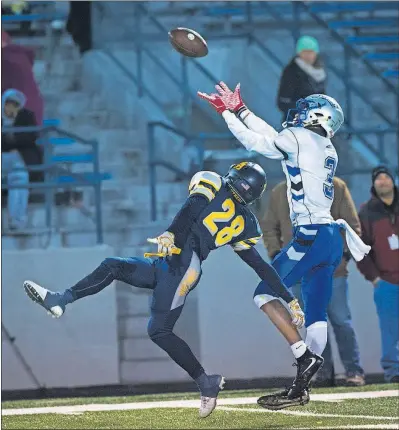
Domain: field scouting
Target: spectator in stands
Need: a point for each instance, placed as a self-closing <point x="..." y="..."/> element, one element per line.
<point x="380" y="229"/>
<point x="18" y="150"/>
<point x="303" y="76"/>
<point x="17" y="73"/>
<point x="277" y="232"/>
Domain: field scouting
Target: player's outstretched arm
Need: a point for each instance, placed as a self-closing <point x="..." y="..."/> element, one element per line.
<point x="252" y="141"/>
<point x="268" y="274"/>
<point x="235" y="104"/>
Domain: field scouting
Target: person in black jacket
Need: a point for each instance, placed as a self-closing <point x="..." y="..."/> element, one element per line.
<point x="303" y="76"/>
<point x="18" y="150"/>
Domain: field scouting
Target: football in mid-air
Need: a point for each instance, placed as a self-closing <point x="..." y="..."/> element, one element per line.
<point x="188" y="42"/>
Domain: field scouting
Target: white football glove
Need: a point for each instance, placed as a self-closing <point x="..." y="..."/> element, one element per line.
<point x="298" y="317"/>
<point x="166" y="244"/>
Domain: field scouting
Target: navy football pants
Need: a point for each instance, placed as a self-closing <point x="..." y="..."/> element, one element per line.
<point x="312" y="255"/>
<point x="171" y="280"/>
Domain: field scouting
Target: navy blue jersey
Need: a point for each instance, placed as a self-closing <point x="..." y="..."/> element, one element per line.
<point x="223" y="221"/>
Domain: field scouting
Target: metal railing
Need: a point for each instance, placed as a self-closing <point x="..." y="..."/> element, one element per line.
<point x="378" y="151"/>
<point x="56" y="177"/>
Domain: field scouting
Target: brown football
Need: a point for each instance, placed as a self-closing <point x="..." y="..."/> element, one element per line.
<point x="188" y="42"/>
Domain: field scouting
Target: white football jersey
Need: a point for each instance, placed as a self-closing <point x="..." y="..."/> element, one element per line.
<point x="308" y="160"/>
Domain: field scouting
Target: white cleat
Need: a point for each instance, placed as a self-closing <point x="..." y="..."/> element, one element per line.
<point x="44" y="298"/>
<point x="208" y="404"/>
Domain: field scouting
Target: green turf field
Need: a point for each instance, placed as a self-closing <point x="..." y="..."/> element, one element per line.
<point x="236" y="409"/>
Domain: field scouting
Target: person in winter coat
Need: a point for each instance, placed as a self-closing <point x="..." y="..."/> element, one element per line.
<point x="380" y="229"/>
<point x="17" y="73"/>
<point x="18" y="150"/>
<point x="303" y="76"/>
<point x="277" y="232"/>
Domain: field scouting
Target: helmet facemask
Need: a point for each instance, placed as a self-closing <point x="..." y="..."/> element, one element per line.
<point x="316" y="110"/>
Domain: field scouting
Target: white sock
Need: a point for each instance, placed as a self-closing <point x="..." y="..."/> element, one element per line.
<point x="316" y="337"/>
<point x="298" y="349"/>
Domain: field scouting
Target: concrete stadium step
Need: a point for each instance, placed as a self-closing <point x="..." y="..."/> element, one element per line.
<point x="131" y="301"/>
<point x="36" y="239"/>
<point x="141" y="349"/>
<point x="126" y="240"/>
<point x="140" y="194"/>
<point x="134" y="325"/>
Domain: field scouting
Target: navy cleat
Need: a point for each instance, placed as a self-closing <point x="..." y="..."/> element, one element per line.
<point x="210" y="386"/>
<point x="52" y="302"/>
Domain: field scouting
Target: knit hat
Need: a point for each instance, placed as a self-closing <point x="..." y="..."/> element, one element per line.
<point x="307" y="43"/>
<point x="381" y="169"/>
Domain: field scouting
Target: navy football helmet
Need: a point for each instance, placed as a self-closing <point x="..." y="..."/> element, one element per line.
<point x="247" y="181"/>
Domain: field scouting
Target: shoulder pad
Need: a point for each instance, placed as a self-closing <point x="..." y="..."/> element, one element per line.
<point x="205" y="183"/>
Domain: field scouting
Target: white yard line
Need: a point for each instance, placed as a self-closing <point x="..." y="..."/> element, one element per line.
<point x="306" y="414"/>
<point x="183" y="404"/>
<point x="356" y="426"/>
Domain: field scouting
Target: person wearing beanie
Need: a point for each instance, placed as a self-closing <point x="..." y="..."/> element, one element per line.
<point x="303" y="76"/>
<point x="18" y="150"/>
<point x="379" y="219"/>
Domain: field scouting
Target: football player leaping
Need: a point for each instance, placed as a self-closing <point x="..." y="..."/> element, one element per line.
<point x="215" y="214"/>
<point x="309" y="161"/>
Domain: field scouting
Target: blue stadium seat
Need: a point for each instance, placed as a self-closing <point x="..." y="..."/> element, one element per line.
<point x="91" y="177"/>
<point x="365" y="40"/>
<point x="51" y="122"/>
<point x="73" y="158"/>
<point x="391" y="74"/>
<point x="32" y="17"/>
<point x="363" y="23"/>
<point x="382" y="56"/>
<point x="346" y="6"/>
<point x="56" y="140"/>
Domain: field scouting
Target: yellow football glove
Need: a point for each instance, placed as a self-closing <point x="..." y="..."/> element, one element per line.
<point x="166" y="244"/>
<point x="298" y="317"/>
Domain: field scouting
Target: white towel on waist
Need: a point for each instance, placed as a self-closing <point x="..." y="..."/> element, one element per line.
<point x="356" y="246"/>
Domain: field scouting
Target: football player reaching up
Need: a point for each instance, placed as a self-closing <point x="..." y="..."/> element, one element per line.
<point x="215" y="214"/>
<point x="309" y="160"/>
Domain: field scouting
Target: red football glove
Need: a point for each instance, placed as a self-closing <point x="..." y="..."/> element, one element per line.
<point x="231" y="99"/>
<point x="214" y="100"/>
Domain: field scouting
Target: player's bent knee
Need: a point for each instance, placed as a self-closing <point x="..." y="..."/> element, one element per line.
<point x="114" y="266"/>
<point x="262" y="299"/>
<point x="316" y="336"/>
<point x="156" y="330"/>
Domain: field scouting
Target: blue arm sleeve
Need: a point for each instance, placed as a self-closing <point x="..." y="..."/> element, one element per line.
<point x="190" y="211"/>
<point x="266" y="272"/>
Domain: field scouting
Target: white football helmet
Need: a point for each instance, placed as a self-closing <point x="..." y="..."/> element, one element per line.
<point x="317" y="109"/>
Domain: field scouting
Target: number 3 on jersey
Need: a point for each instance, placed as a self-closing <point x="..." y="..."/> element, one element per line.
<point x="227" y="233"/>
<point x="330" y="164"/>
